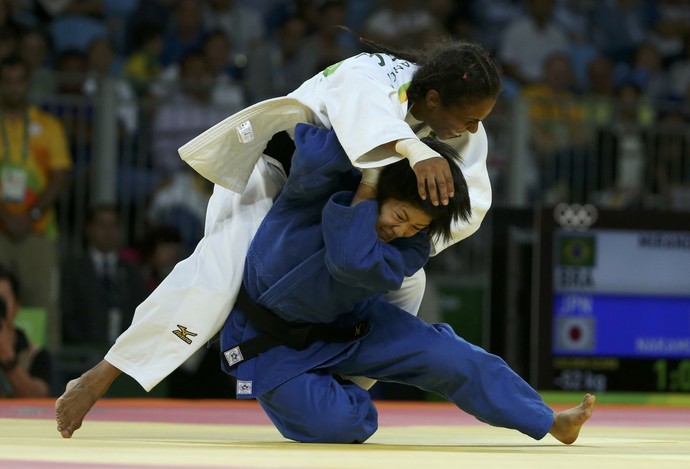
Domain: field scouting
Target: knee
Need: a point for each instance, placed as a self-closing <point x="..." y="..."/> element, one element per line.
<point x="344" y="415"/>
<point x="333" y="426"/>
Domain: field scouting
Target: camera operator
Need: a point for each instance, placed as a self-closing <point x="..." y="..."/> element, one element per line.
<point x="25" y="369"/>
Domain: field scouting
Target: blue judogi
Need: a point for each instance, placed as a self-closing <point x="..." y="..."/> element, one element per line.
<point x="317" y="259"/>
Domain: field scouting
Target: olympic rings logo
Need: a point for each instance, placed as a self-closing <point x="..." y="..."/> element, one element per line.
<point x="575" y="216"/>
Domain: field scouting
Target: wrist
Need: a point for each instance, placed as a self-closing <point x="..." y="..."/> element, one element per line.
<point x="364" y="192"/>
<point x="370" y="177"/>
<point x="415" y="150"/>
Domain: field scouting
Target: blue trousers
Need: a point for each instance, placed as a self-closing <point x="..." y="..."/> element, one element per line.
<point x="317" y="406"/>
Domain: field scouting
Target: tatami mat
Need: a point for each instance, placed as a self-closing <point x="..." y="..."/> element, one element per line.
<point x="153" y="433"/>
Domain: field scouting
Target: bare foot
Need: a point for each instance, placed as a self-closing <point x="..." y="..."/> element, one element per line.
<point x="566" y="425"/>
<point x="81" y="394"/>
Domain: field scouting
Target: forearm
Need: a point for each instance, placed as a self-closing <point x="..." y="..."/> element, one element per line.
<point x="353" y="253"/>
<point x="367" y="188"/>
<point x="364" y="192"/>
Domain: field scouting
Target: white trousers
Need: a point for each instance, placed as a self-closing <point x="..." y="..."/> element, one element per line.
<point x="193" y="301"/>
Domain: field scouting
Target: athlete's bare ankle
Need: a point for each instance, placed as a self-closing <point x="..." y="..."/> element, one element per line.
<point x="99" y="378"/>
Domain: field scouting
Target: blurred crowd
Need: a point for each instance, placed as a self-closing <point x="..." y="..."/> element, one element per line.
<point x="264" y="48"/>
<point x="176" y="67"/>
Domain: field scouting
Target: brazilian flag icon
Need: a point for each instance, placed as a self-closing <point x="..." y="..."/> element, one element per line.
<point x="577" y="251"/>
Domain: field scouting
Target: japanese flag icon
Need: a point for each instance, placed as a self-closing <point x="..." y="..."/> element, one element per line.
<point x="574" y="334"/>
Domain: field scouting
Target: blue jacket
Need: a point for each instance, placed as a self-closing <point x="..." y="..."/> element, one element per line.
<point x="316" y="259"/>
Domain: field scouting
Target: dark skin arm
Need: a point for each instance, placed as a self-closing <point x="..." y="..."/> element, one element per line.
<point x="434" y="174"/>
<point x="364" y="192"/>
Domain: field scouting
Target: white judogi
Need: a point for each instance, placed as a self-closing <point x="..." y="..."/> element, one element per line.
<point x="364" y="99"/>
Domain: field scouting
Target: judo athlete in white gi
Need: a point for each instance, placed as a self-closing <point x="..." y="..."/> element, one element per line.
<point x="378" y="104"/>
<point x="318" y="258"/>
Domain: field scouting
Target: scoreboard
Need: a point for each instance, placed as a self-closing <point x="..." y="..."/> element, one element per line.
<point x="611" y="302"/>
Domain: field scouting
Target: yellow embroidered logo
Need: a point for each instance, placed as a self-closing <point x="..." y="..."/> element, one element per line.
<point x="184" y="334"/>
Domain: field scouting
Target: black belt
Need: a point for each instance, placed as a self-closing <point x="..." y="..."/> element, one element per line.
<point x="277" y="331"/>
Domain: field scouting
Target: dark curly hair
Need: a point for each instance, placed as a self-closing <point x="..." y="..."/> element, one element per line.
<point x="462" y="72"/>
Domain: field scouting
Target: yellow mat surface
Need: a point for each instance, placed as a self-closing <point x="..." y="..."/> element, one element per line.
<point x="28" y="439"/>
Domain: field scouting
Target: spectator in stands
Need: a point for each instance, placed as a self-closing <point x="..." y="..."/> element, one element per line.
<point x="71" y="67"/>
<point x="648" y="73"/>
<point x="35" y="50"/>
<point x="679" y="71"/>
<point x="77" y="24"/>
<point x="74" y="110"/>
<point x="185" y="31"/>
<point x="528" y="40"/>
<point x="328" y="43"/>
<point x="25" y="368"/>
<point x="144" y="65"/>
<point x="9" y="41"/>
<point x="116" y="14"/>
<point x="180" y="201"/>
<point x="573" y="17"/>
<point x="187" y="111"/>
<point x="460" y="23"/>
<point x="103" y="63"/>
<point x="154" y="13"/>
<point x="281" y="64"/>
<point x="161" y="250"/>
<point x="618" y="27"/>
<point x="599" y="93"/>
<point x="103" y="58"/>
<point x="99" y="289"/>
<point x="399" y="23"/>
<point x="35" y="165"/>
<point x="8" y="19"/>
<point x="623" y="151"/>
<point x="601" y="78"/>
<point x="671" y="171"/>
<point x="243" y="24"/>
<point x="670" y="22"/>
<point x="443" y="10"/>
<point x="357" y="13"/>
<point x="492" y="18"/>
<point x="227" y="89"/>
<point x="182" y="194"/>
<point x="557" y="130"/>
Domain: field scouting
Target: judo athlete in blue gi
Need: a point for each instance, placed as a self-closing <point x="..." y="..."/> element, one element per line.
<point x="319" y="264"/>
